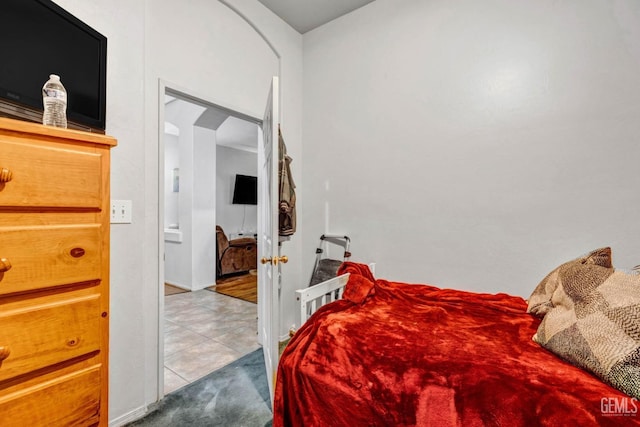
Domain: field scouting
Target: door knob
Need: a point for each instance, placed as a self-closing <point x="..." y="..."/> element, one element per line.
<point x="275" y="260"/>
<point x="283" y="259"/>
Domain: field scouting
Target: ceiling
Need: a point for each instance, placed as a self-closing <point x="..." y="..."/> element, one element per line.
<point x="231" y="131"/>
<point x="305" y="15"/>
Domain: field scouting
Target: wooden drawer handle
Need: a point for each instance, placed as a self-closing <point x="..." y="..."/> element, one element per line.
<point x="5" y="265"/>
<point x="77" y="252"/>
<point x="5" y="175"/>
<point x="4" y="352"/>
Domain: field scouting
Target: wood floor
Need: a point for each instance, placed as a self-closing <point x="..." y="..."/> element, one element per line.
<point x="172" y="290"/>
<point x="244" y="287"/>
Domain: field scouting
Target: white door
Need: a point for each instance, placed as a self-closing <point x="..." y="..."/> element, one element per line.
<point x="268" y="198"/>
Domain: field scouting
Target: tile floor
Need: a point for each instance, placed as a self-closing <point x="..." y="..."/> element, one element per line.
<point x="205" y="331"/>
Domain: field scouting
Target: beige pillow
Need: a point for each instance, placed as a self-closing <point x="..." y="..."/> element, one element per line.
<point x="540" y="299"/>
<point x="592" y="318"/>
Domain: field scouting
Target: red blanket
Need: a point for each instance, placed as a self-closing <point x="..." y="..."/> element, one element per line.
<point x="394" y="354"/>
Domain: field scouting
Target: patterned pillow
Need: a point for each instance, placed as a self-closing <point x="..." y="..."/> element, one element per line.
<point x="540" y="299"/>
<point x="592" y="320"/>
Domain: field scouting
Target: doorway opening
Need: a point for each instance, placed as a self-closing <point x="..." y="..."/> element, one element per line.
<point x="203" y="146"/>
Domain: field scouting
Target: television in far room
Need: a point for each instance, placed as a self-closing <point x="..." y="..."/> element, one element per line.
<point x="39" y="38"/>
<point x="245" y="190"/>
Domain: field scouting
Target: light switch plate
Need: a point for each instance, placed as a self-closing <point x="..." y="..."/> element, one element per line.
<point x="121" y="211"/>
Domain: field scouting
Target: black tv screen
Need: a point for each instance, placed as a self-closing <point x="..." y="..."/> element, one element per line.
<point x="39" y="38"/>
<point x="245" y="190"/>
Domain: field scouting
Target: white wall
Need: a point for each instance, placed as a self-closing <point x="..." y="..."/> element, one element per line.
<point x="171" y="197"/>
<point x="210" y="50"/>
<point x="173" y="250"/>
<point x="230" y="217"/>
<point x="203" y="263"/>
<point x="190" y="262"/>
<point x="180" y="257"/>
<point x="474" y="145"/>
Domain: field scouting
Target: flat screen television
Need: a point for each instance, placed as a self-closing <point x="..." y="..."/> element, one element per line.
<point x="39" y="38"/>
<point x="245" y="190"/>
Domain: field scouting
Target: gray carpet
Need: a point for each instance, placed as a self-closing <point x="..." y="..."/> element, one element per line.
<point x="235" y="395"/>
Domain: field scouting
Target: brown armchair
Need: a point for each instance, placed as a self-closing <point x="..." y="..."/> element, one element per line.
<point x="235" y="256"/>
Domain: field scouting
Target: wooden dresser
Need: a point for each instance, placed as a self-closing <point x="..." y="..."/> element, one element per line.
<point x="54" y="275"/>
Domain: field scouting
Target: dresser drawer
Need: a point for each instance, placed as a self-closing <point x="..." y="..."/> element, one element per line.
<point x="48" y="256"/>
<point x="43" y="176"/>
<point x="70" y="400"/>
<point x="46" y="334"/>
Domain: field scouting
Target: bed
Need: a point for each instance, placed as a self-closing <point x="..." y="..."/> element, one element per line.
<point x="396" y="354"/>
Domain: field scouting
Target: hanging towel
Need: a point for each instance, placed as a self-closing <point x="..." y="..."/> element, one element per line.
<point x="287" y="205"/>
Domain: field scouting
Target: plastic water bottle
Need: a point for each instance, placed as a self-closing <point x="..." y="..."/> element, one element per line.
<point x="54" y="99"/>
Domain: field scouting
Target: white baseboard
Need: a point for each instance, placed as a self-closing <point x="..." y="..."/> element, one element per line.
<point x="129" y="417"/>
